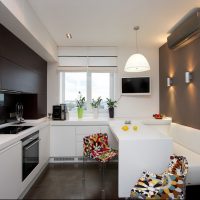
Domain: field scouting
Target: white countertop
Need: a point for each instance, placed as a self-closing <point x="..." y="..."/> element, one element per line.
<point x="105" y="121"/>
<point x="142" y="132"/>
<point x="9" y="139"/>
<point x="85" y="121"/>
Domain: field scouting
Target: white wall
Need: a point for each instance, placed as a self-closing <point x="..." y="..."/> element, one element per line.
<point x="128" y="106"/>
<point x="52" y="86"/>
<point x="138" y="106"/>
<point x="19" y="17"/>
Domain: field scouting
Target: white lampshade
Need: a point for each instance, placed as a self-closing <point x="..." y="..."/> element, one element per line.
<point x="137" y="63"/>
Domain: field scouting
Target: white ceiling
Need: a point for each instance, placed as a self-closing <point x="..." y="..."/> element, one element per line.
<point x="111" y="22"/>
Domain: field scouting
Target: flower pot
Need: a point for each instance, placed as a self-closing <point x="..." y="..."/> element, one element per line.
<point x="80" y="113"/>
<point x="95" y="113"/>
<point x="111" y="112"/>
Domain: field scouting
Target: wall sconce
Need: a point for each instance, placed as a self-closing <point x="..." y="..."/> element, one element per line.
<point x="188" y="77"/>
<point x="169" y="82"/>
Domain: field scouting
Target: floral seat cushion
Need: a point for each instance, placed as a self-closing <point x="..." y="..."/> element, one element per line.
<point x="96" y="147"/>
<point x="172" y="188"/>
<point x="147" y="186"/>
<point x="104" y="156"/>
<point x="152" y="186"/>
<point x="169" y="185"/>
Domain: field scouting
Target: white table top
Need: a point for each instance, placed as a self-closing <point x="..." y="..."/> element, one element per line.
<point x="143" y="132"/>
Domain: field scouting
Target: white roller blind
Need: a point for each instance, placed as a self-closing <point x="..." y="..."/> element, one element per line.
<point x="87" y="61"/>
<point x="80" y="58"/>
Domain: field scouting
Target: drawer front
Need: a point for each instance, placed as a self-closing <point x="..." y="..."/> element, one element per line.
<point x="87" y="130"/>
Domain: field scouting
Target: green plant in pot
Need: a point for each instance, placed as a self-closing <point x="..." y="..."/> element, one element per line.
<point x="111" y="105"/>
<point x="80" y="103"/>
<point x="95" y="106"/>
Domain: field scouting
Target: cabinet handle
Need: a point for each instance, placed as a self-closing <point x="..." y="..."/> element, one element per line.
<point x="26" y="148"/>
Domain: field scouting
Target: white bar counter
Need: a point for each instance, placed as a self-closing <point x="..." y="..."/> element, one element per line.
<point x="144" y="149"/>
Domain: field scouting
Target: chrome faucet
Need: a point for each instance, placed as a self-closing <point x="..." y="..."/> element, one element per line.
<point x="19" y="112"/>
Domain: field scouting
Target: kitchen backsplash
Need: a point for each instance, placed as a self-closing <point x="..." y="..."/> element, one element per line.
<point x="7" y="107"/>
<point x="8" y="103"/>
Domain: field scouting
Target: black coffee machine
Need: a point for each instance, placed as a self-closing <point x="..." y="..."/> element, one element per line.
<point x="59" y="112"/>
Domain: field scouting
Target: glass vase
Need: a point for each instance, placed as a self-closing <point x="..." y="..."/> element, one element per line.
<point x="80" y="113"/>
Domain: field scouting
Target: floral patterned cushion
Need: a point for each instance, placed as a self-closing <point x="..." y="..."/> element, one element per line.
<point x="147" y="186"/>
<point x="104" y="156"/>
<point x="173" y="187"/>
<point x="169" y="185"/>
<point x="178" y="165"/>
<point x="96" y="147"/>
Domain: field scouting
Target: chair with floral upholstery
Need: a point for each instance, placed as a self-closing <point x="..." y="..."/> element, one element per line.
<point x="169" y="185"/>
<point x="96" y="147"/>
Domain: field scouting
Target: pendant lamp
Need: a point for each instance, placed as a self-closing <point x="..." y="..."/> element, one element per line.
<point x="136" y="62"/>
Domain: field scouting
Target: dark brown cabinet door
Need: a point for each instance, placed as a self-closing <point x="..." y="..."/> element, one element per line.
<point x="17" y="78"/>
<point x="21" y="69"/>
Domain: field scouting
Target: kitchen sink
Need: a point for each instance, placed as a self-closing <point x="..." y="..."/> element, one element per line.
<point x="19" y="122"/>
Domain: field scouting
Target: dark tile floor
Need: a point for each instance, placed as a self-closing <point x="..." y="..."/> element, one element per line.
<point x="64" y="181"/>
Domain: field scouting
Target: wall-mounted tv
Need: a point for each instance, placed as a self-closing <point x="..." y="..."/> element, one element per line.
<point x="136" y="86"/>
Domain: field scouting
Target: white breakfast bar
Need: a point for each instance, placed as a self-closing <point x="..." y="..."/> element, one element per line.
<point x="144" y="149"/>
<point x="148" y="148"/>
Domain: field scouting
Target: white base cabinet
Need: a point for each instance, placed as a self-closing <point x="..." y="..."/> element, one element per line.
<point x="62" y="141"/>
<point x="44" y="146"/>
<point x="67" y="141"/>
<point x="11" y="171"/>
<point x="44" y="137"/>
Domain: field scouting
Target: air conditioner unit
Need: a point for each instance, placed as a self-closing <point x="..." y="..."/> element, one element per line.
<point x="186" y="32"/>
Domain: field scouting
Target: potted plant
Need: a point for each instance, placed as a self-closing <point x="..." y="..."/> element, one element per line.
<point x="95" y="106"/>
<point x="111" y="105"/>
<point x="80" y="103"/>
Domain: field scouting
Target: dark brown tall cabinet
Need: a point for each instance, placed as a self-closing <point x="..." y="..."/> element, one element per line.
<point x="22" y="70"/>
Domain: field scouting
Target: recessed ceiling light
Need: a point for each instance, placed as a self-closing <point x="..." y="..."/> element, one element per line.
<point x="69" y="35"/>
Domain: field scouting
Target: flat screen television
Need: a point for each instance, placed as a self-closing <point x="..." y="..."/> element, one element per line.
<point x="136" y="86"/>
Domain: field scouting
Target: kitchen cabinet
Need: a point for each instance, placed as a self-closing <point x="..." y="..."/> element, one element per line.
<point x="68" y="140"/>
<point x="11" y="171"/>
<point x="23" y="70"/>
<point x="17" y="78"/>
<point x="44" y="146"/>
<point x="62" y="141"/>
<point x="43" y="158"/>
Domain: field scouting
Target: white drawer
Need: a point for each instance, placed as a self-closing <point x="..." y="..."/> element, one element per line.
<point x="87" y="130"/>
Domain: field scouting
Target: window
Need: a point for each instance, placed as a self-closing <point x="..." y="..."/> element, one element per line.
<point x="90" y="84"/>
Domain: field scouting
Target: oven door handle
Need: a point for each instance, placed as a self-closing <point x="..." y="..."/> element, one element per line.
<point x="28" y="147"/>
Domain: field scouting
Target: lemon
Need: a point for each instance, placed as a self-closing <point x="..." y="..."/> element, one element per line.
<point x="135" y="128"/>
<point x="125" y="128"/>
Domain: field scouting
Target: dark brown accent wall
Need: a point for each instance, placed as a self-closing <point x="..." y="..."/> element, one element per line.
<point x="180" y="101"/>
<point x="21" y="69"/>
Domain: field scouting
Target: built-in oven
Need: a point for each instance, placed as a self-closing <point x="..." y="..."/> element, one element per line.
<point x="30" y="145"/>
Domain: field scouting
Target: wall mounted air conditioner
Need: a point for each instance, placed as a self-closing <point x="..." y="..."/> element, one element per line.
<point x="186" y="32"/>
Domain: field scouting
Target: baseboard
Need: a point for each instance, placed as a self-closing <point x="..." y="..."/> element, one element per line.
<point x="72" y="159"/>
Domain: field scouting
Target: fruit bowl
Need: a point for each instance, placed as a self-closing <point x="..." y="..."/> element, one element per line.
<point x="158" y="116"/>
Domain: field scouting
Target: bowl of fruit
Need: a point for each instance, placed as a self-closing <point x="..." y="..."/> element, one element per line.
<point x="158" y="116"/>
